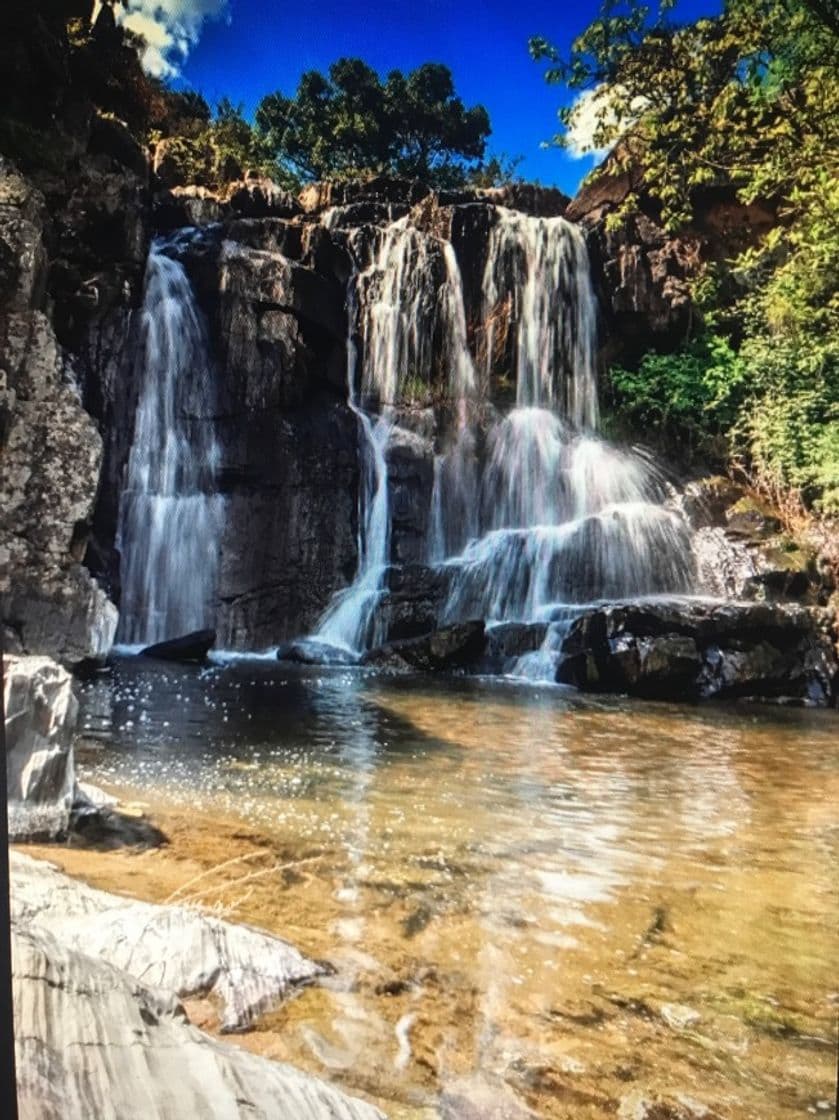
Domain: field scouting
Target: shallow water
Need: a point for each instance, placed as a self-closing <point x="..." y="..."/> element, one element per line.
<point x="532" y="899"/>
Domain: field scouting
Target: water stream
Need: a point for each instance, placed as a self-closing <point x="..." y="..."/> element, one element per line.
<point x="170" y="514"/>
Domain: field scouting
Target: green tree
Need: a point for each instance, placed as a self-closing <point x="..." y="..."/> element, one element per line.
<point x="349" y="122"/>
<point x="749" y="101"/>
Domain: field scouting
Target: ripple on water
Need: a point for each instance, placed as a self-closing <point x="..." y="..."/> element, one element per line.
<point x="574" y="899"/>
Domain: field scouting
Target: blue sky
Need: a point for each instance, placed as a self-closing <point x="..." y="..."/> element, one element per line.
<point x="256" y="46"/>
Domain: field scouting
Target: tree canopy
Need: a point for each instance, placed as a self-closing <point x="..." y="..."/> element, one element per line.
<point x="747" y="100"/>
<point x="350" y="121"/>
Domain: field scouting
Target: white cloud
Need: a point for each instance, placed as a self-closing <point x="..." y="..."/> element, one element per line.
<point x="593" y="109"/>
<point x="171" y="28"/>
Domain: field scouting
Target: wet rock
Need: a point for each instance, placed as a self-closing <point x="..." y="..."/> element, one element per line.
<point x="92" y="1040"/>
<point x="451" y="647"/>
<point x="188" y="647"/>
<point x="40" y="712"/>
<point x="410" y="460"/>
<point x="513" y="639"/>
<point x="413" y="601"/>
<point x="309" y="651"/>
<point x="689" y="649"/>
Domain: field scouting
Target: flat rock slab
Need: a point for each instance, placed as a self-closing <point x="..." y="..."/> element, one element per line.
<point x="92" y="1041"/>
<point x="179" y="948"/>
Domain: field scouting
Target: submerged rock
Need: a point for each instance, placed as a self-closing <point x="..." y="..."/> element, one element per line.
<point x="91" y="1040"/>
<point x="696" y="650"/>
<point x="175" y="947"/>
<point x="189" y="647"/>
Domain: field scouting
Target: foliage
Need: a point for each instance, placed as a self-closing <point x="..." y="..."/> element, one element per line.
<point x="349" y="122"/>
<point x="748" y="101"/>
<point x="748" y="98"/>
<point x="696" y="391"/>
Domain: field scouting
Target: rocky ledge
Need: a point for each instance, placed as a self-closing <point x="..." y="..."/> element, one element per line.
<point x="698" y="650"/>
<point x="676" y="649"/>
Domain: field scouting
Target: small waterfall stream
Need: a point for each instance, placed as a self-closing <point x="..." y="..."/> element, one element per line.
<point x="170" y="514"/>
<point x="403" y="309"/>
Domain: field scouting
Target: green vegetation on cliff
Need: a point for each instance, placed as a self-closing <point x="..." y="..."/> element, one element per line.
<point x="747" y="101"/>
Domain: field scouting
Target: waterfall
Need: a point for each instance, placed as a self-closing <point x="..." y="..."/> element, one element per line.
<point x="407" y="307"/>
<point x="350" y="621"/>
<point x="564" y="518"/>
<point x="532" y="512"/>
<point x="170" y="515"/>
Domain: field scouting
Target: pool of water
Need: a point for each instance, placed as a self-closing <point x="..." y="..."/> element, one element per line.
<point x="537" y="903"/>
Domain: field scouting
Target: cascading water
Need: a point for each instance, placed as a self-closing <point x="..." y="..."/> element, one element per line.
<point x="407" y="307"/>
<point x="170" y="515"/>
<point x="532" y="513"/>
<point x="564" y="517"/>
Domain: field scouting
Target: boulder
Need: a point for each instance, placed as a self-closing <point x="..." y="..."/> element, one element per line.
<point x="91" y="1040"/>
<point x="178" y="947"/>
<point x="697" y="650"/>
<point x="40" y="711"/>
<point x="458" y="646"/>
<point x="188" y="647"/>
<point x="413" y="600"/>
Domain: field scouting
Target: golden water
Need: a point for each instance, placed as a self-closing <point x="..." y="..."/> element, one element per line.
<point x="532" y="900"/>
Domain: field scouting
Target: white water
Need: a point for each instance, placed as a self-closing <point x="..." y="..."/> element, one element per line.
<point x="408" y="309"/>
<point x="565" y="518"/>
<point x="531" y="511"/>
<point x="170" y="516"/>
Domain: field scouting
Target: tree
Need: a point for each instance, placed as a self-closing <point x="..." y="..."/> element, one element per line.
<point x="432" y="132"/>
<point x="349" y="122"/>
<point x="747" y="100"/>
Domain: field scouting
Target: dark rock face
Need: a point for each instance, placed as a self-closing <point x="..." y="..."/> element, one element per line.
<point x="410" y="460"/>
<point x="413" y="600"/>
<point x="289" y="542"/>
<point x="451" y="647"/>
<point x="188" y="647"/>
<point x="643" y="271"/>
<point x="51" y="458"/>
<point x="691" y="650"/>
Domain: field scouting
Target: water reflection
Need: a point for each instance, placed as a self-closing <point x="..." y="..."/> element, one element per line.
<point x="575" y="900"/>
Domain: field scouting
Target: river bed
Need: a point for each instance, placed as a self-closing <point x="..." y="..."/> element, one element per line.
<point x="533" y="900"/>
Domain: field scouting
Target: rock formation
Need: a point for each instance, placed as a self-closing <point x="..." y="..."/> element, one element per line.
<point x="91" y="1040"/>
<point x="51" y="458"/>
<point x="176" y="947"/>
<point x="40" y="711"/>
<point x="697" y="650"/>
